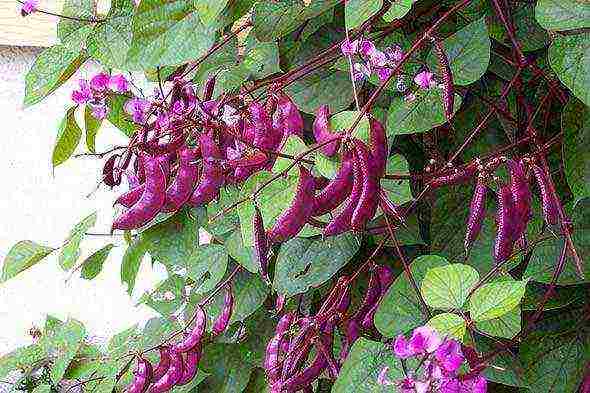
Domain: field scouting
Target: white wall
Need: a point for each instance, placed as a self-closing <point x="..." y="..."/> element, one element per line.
<point x="36" y="206"/>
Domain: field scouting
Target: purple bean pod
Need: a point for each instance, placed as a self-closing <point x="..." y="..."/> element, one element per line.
<point x="378" y="147"/>
<point x="299" y="347"/>
<point x="142" y="376"/>
<point x="182" y="186"/>
<point x="477" y="212"/>
<point x="386" y="277"/>
<point x="190" y="365"/>
<point x="280" y="303"/>
<point x="372" y="295"/>
<point x="151" y="200"/>
<point x="521" y="197"/>
<point x="222" y="321"/>
<point x="332" y="301"/>
<point x="265" y="137"/>
<point x="323" y="132"/>
<point x="193" y="338"/>
<point x="292" y="220"/>
<point x="287" y="117"/>
<point x="340" y="223"/>
<point x="130" y="197"/>
<point x="503" y="243"/>
<point x="272" y="360"/>
<point x="367" y="203"/>
<point x="585" y="384"/>
<point x="171" y="376"/>
<point x="208" y="88"/>
<point x="447" y="78"/>
<point x="111" y="176"/>
<point x="285" y="323"/>
<point x="260" y="243"/>
<point x="212" y="177"/>
<point x="163" y="364"/>
<point x="458" y="176"/>
<point x="549" y="204"/>
<point x="333" y="194"/>
<point x="351" y="334"/>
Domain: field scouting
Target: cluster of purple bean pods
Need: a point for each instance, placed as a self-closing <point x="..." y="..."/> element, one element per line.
<point x="297" y="338"/>
<point x="179" y="362"/>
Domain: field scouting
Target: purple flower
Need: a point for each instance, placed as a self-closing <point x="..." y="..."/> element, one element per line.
<point x="410" y="97"/>
<point x="367" y="48"/>
<point x="84" y="94"/>
<point x="424" y="340"/>
<point x="378" y="59"/>
<point x="163" y="121"/>
<point x="178" y="107"/>
<point x="28" y="7"/>
<point x="477" y="384"/>
<point x="229" y="115"/>
<point x="394" y="54"/>
<point x="424" y="79"/>
<point x="137" y="108"/>
<point x="99" y="82"/>
<point x="406" y="385"/>
<point x="99" y="111"/>
<point x="382" y="378"/>
<point x="349" y="48"/>
<point x="360" y="71"/>
<point x="401" y="347"/>
<point x="118" y="83"/>
<point x="449" y="356"/>
<point x="384" y="73"/>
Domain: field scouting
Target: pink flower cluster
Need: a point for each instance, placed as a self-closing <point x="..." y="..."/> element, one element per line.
<point x="94" y="93"/>
<point x="372" y="59"/>
<point x="438" y="371"/>
<point x="28" y="7"/>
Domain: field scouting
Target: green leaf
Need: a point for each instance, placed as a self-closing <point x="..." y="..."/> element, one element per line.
<point x="166" y="33"/>
<point x="342" y="121"/>
<point x="293" y="146"/>
<point x="420" y="115"/>
<point x="569" y="57"/>
<point x="117" y="116"/>
<point x="400" y="310"/>
<point x="209" y="10"/>
<point x="23" y="358"/>
<point x="306" y="263"/>
<point x="398" y="10"/>
<point x="110" y="40"/>
<point x="73" y="33"/>
<point x="91" y="125"/>
<point x="63" y="345"/>
<point x="358" y="11"/>
<point x="495" y="299"/>
<point x="207" y="266"/>
<point x="229" y="373"/>
<point x="131" y="262"/>
<point x="447" y="287"/>
<point x="447" y="324"/>
<point x="468" y="52"/>
<point x="70" y="251"/>
<point x="575" y="124"/>
<point x="51" y="69"/>
<point x="242" y="254"/>
<point x="562" y="15"/>
<point x="68" y="137"/>
<point x="325" y="86"/>
<point x="555" y="363"/>
<point x="505" y="368"/>
<point x="22" y="256"/>
<point x="529" y="33"/>
<point x="398" y="191"/>
<point x="506" y="326"/>
<point x="261" y="58"/>
<point x="361" y="369"/>
<point x="43" y="388"/>
<point x="167" y="297"/>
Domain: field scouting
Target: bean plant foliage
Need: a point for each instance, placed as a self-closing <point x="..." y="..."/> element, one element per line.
<point x="348" y="196"/>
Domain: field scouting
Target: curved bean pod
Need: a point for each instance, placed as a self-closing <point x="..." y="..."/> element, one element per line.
<point x="521" y="197"/>
<point x="388" y="207"/>
<point x="458" y="176"/>
<point x="212" y="177"/>
<point x="111" y="175"/>
<point x="142" y="376"/>
<point x="222" y="321"/>
<point x="333" y="194"/>
<point x="371" y="296"/>
<point x="367" y="203"/>
<point x="378" y="146"/>
<point x="323" y="132"/>
<point x="208" y="88"/>
<point x="151" y="200"/>
<point x="503" y="244"/>
<point x="193" y="339"/>
<point x="287" y="117"/>
<point x="385" y="276"/>
<point x="477" y="212"/>
<point x="265" y="137"/>
<point x="292" y="220"/>
<point x="272" y="361"/>
<point x="130" y="197"/>
<point x="170" y="377"/>
<point x="447" y="77"/>
<point x="163" y="364"/>
<point x="260" y="242"/>
<point x="180" y="190"/>
<point x="549" y="204"/>
<point x="190" y="365"/>
<point x="351" y="334"/>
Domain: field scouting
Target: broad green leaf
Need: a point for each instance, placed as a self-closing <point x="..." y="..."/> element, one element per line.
<point x="68" y="137"/>
<point x="228" y="368"/>
<point x="400" y="309"/>
<point x="63" y="345"/>
<point x="448" y="325"/>
<point x="447" y="287"/>
<point x="261" y="58"/>
<point x="43" y="388"/>
<point x="242" y="254"/>
<point x="73" y="33"/>
<point x="117" y="116"/>
<point x="505" y="368"/>
<point x="358" y="11"/>
<point x="575" y="124"/>
<point x="398" y="191"/>
<point x="398" y="10"/>
<point x="555" y="363"/>
<point x="207" y="266"/>
<point x="293" y="146"/>
<point x="209" y="10"/>
<point x="131" y="262"/>
<point x="495" y="299"/>
<point x="569" y="57"/>
<point x="23" y="358"/>
<point x="166" y="33"/>
<point x="506" y="326"/>
<point x="110" y="40"/>
<point x="307" y="263"/>
<point x="342" y="121"/>
<point x="123" y="342"/>
<point x="22" y="256"/>
<point x="361" y="369"/>
<point x="92" y="266"/>
<point x="223" y="223"/>
<point x="154" y="330"/>
<point x="109" y="371"/>
<point x="91" y="126"/>
<point x="529" y="33"/>
<point x="468" y="52"/>
<point x="51" y="69"/>
<point x="70" y="251"/>
<point x="326" y="166"/>
<point x="325" y="86"/>
<point x="419" y="115"/>
<point x="562" y="296"/>
<point x="563" y="14"/>
<point x="273" y="200"/>
<point x="167" y="297"/>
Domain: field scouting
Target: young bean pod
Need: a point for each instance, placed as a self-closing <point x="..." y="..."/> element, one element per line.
<point x="190" y="365"/>
<point x="323" y="132"/>
<point x="378" y="147"/>
<point x="447" y="77"/>
<point x="193" y="338"/>
<point x="521" y="197"/>
<point x="163" y="364"/>
<point x="142" y="376"/>
<point x="287" y="117"/>
<point x="549" y="204"/>
<point x="182" y="186"/>
<point x="222" y="321"/>
<point x="171" y="376"/>
<point x="477" y="212"/>
<point x="260" y="242"/>
<point x="504" y="243"/>
<point x="367" y="203"/>
<point x="212" y="177"/>
<point x="333" y="194"/>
